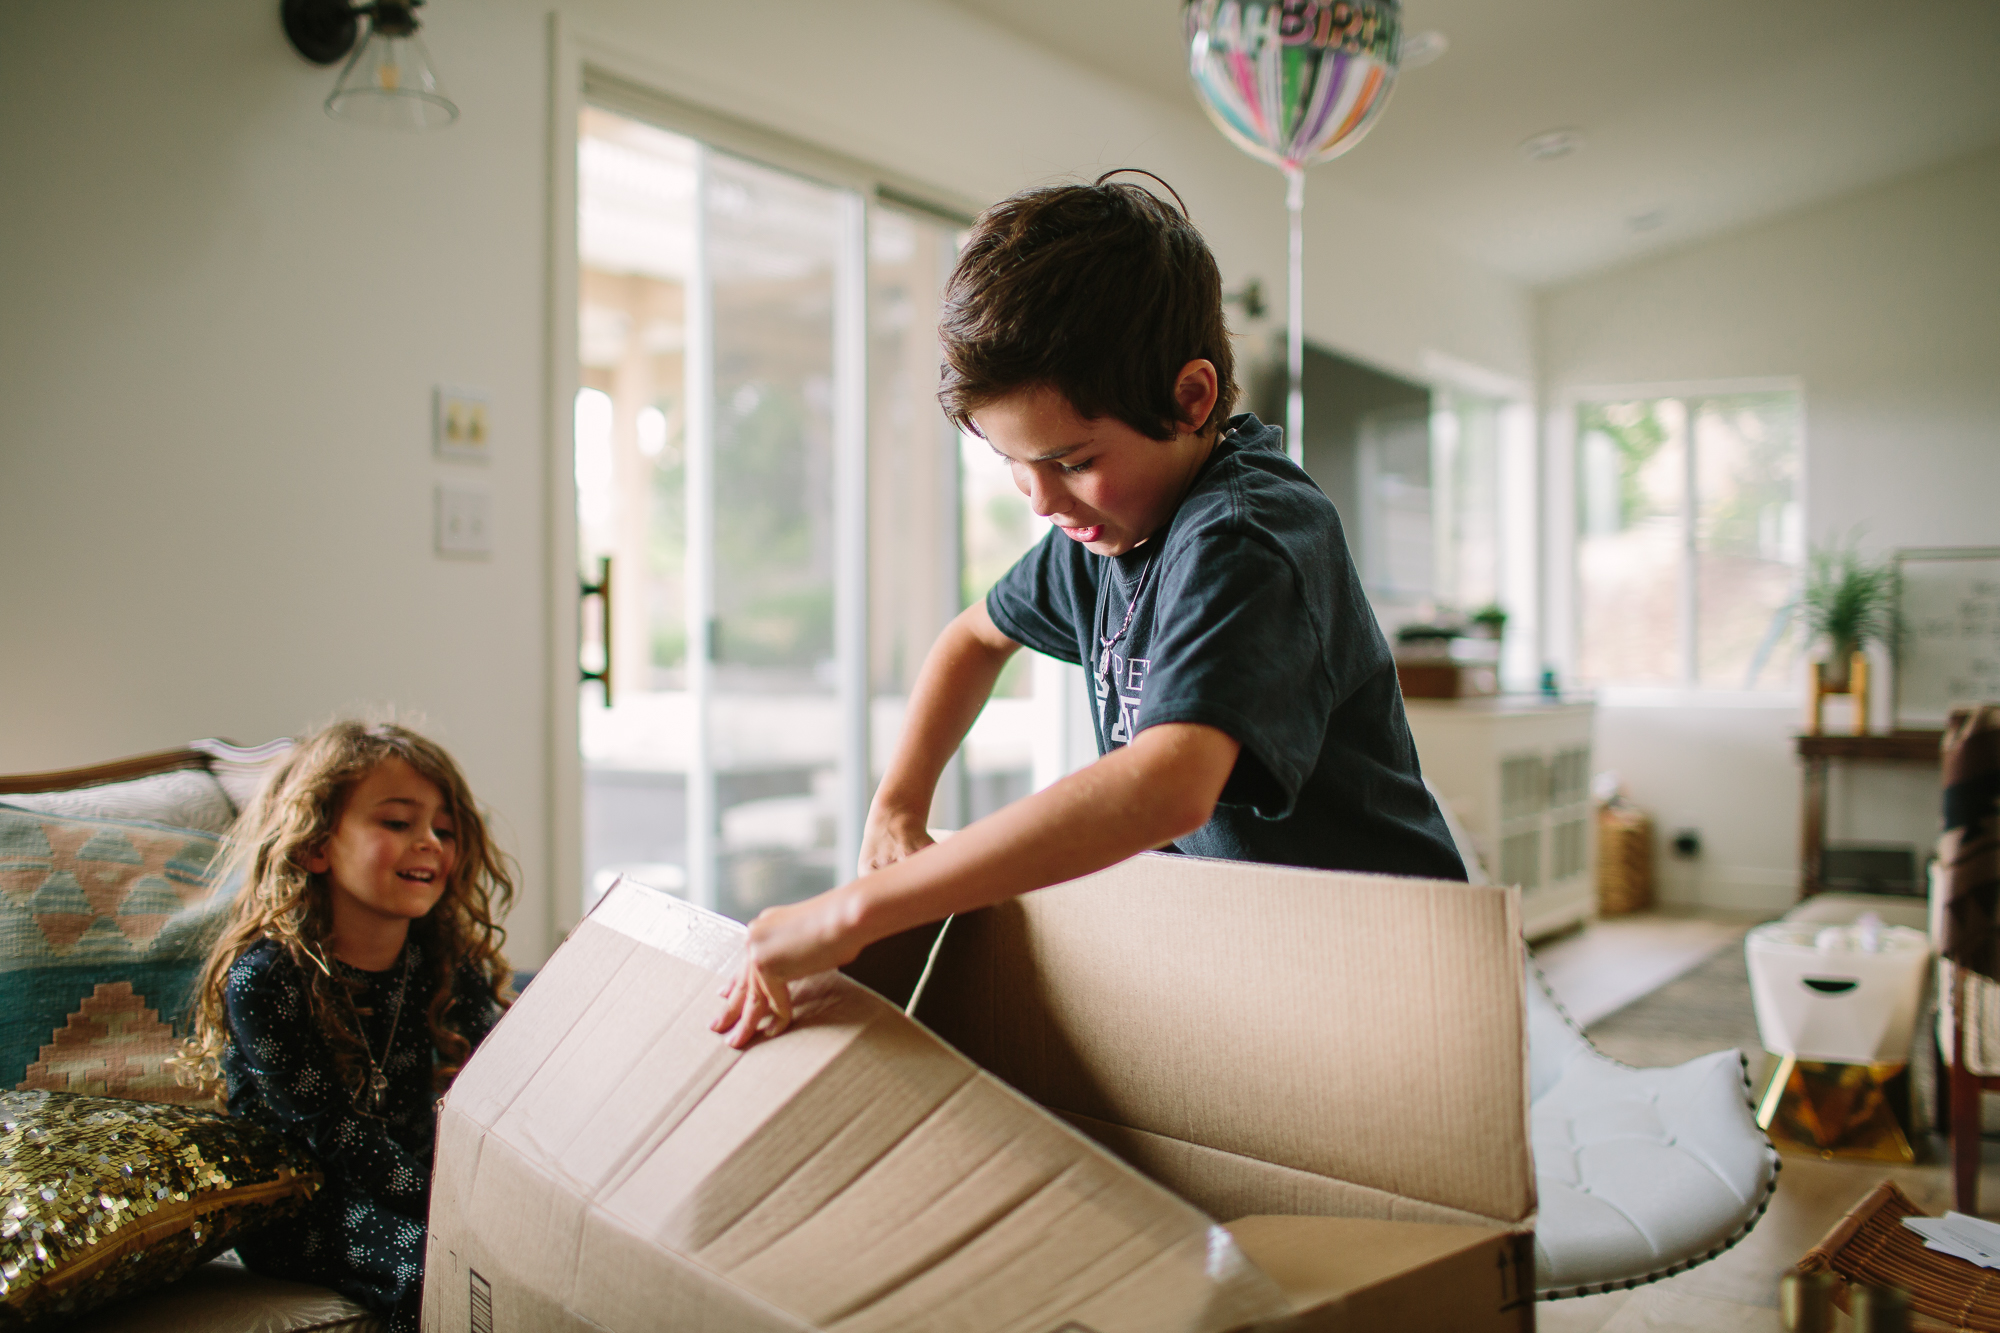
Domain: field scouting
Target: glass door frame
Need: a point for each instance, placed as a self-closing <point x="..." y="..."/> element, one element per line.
<point x="589" y="70"/>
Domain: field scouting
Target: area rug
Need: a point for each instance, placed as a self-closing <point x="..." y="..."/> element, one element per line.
<point x="1705" y="1009"/>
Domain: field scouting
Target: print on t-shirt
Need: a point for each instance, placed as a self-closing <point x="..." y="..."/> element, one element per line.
<point x="1118" y="709"/>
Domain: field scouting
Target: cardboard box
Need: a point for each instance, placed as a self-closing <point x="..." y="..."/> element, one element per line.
<point x="1258" y="1042"/>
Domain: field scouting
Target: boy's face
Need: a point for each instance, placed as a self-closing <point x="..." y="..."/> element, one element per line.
<point x="1102" y="482"/>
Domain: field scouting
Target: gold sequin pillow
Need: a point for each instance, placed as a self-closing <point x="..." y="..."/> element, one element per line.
<point x="101" y="1198"/>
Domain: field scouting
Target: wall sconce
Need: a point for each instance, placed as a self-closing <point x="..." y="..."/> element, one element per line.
<point x="388" y="82"/>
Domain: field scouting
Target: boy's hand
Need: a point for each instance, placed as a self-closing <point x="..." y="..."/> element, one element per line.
<point x="887" y="839"/>
<point x="786" y="944"/>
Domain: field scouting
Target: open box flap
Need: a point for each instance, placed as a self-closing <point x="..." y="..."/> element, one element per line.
<point x="1321" y="1042"/>
<point x="856" y="1174"/>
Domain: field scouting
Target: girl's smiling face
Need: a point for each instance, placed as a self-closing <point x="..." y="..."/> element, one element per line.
<point x="392" y="852"/>
<point x="1103" y="483"/>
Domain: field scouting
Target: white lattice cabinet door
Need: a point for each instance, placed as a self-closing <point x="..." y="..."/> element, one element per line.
<point x="1516" y="771"/>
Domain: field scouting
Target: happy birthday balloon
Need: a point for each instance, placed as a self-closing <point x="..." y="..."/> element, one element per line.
<point x="1293" y="82"/>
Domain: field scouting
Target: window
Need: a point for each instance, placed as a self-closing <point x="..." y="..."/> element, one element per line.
<point x="1688" y="539"/>
<point x="1443" y="523"/>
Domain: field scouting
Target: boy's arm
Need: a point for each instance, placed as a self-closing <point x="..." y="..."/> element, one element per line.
<point x="1160" y="787"/>
<point x="953" y="685"/>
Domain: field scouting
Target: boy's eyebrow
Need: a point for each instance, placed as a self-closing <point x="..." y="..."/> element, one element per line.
<point x="1049" y="457"/>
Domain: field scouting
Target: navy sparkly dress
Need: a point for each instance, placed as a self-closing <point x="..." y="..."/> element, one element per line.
<point x="363" y="1234"/>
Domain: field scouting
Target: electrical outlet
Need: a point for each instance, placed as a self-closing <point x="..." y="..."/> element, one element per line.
<point x="462" y="424"/>
<point x="464" y="522"/>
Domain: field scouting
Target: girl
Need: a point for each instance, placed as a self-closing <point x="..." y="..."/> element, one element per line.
<point x="360" y="966"/>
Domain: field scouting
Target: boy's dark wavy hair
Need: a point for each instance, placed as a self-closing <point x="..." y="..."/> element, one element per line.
<point x="1101" y="292"/>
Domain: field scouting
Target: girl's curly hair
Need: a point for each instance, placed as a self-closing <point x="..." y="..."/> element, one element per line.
<point x="294" y="814"/>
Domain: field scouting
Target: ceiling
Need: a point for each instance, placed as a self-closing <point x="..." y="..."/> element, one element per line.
<point x="1698" y="117"/>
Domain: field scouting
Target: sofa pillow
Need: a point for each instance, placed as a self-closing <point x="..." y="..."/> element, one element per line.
<point x="101" y="1198"/>
<point x="241" y="769"/>
<point x="185" y="798"/>
<point x="103" y="926"/>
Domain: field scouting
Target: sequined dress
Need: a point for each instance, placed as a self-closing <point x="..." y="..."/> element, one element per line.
<point x="363" y="1236"/>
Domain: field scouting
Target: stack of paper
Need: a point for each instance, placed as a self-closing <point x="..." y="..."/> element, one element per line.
<point x="1959" y="1236"/>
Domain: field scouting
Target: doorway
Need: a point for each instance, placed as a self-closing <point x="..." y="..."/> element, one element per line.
<point x="761" y="460"/>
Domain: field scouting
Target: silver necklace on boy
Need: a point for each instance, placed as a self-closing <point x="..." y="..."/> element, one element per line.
<point x="1108" y="642"/>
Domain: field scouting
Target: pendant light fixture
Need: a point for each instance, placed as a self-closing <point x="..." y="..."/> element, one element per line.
<point x="388" y="81"/>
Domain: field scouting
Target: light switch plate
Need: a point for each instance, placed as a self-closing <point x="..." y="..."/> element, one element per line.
<point x="464" y="522"/>
<point x="462" y="423"/>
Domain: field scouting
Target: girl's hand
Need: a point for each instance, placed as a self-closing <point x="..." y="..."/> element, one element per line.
<point x="786" y="944"/>
<point x="888" y="838"/>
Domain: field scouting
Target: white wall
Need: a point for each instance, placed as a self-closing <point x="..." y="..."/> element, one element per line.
<point x="222" y="314"/>
<point x="1886" y="305"/>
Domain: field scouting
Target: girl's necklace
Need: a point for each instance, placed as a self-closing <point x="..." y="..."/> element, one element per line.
<point x="378" y="1082"/>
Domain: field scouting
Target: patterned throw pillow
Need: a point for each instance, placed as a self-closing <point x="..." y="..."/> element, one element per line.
<point x="103" y="926"/>
<point x="185" y="798"/>
<point x="100" y="1199"/>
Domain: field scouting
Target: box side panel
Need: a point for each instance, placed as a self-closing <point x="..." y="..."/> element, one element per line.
<point x="932" y="1197"/>
<point x="530" y="1031"/>
<point x="1364" y="1028"/>
<point x="558" y="1269"/>
<point x="1346" y="1275"/>
<point x="855" y="1172"/>
<point x="1224" y="1184"/>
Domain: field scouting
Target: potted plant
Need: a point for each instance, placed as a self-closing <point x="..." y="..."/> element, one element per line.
<point x="1489" y="621"/>
<point x="1848" y="602"/>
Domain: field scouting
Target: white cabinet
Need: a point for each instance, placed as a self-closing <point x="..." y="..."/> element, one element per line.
<point x="1516" y="771"/>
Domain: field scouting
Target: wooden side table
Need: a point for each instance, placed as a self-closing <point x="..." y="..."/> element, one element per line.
<point x="1818" y="754"/>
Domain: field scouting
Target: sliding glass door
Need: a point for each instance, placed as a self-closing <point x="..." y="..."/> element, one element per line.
<point x="760" y="456"/>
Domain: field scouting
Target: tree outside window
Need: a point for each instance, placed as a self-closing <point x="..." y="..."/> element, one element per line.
<point x="1689" y="540"/>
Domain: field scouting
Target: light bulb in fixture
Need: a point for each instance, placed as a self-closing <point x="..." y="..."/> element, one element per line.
<point x="388" y="81"/>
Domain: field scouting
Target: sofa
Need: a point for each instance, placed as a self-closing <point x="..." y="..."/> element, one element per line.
<point x="95" y="978"/>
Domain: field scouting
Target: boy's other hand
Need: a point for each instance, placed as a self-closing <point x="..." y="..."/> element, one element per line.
<point x="887" y="839"/>
<point x="786" y="944"/>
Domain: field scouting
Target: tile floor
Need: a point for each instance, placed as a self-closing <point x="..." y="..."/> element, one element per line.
<point x="1738" y="1290"/>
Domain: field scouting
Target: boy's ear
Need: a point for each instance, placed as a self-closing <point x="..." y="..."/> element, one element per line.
<point x="1195" y="392"/>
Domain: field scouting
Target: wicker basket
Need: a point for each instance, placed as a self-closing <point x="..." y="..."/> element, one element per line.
<point x="1871" y="1245"/>
<point x="1624" y="860"/>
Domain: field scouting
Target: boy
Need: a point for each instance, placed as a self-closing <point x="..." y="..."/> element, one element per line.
<point x="1245" y="701"/>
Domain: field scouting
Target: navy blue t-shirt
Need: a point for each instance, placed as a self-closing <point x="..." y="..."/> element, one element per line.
<point x="1247" y="615"/>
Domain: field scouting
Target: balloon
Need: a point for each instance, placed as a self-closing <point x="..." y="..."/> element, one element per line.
<point x="1293" y="82"/>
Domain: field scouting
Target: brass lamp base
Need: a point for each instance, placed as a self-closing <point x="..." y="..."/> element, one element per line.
<point x="1818" y="1108"/>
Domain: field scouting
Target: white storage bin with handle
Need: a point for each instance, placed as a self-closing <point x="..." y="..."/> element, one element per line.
<point x="1847" y="994"/>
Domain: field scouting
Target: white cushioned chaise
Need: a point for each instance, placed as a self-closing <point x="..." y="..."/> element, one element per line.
<point x="1641" y="1173"/>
